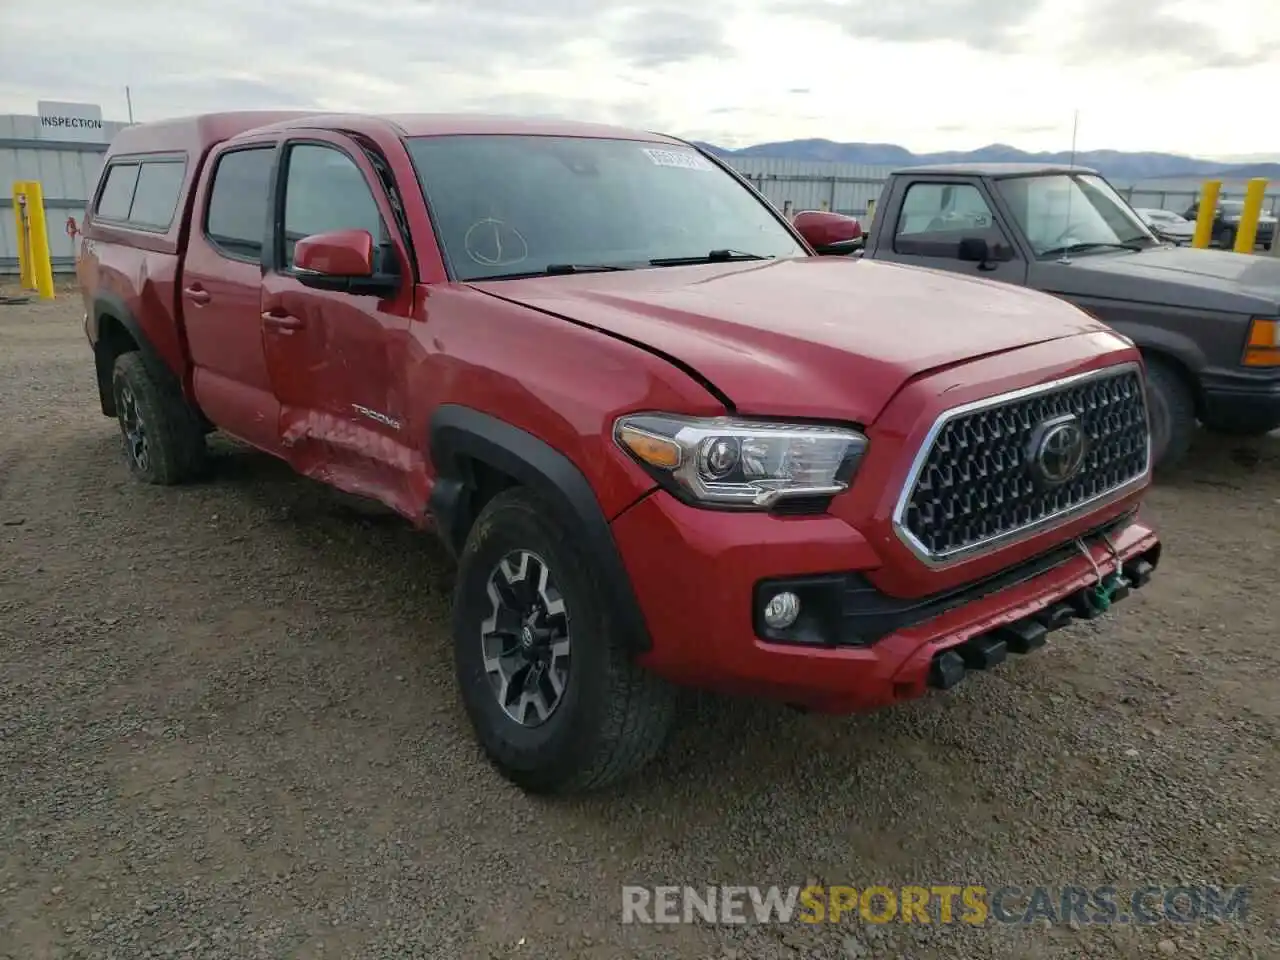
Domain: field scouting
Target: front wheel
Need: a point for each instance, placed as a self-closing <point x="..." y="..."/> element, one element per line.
<point x="551" y="691"/>
<point x="1172" y="411"/>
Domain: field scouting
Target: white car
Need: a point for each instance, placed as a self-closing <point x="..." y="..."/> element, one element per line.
<point x="1167" y="225"/>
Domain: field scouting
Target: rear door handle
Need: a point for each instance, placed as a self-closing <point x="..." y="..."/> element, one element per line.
<point x="197" y="294"/>
<point x="283" y="321"/>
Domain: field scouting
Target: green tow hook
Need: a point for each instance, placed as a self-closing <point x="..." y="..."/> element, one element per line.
<point x="1107" y="584"/>
<point x="1104" y="590"/>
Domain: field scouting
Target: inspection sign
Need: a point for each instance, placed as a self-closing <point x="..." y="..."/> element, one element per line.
<point x="81" y="122"/>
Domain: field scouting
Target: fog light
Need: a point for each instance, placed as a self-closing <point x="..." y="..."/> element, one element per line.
<point x="782" y="610"/>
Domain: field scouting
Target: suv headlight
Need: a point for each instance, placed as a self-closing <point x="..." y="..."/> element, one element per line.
<point x="722" y="461"/>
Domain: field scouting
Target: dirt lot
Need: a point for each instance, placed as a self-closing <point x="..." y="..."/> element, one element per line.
<point x="228" y="729"/>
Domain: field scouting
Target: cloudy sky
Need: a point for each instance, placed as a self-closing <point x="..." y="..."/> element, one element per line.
<point x="1188" y="76"/>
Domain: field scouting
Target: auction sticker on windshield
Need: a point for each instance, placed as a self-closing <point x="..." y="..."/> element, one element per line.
<point x="678" y="158"/>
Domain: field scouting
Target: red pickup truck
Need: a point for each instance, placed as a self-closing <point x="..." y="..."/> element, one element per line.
<point x="668" y="442"/>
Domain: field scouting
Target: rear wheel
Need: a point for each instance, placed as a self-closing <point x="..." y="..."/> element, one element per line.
<point x="1172" y="410"/>
<point x="163" y="441"/>
<point x="553" y="695"/>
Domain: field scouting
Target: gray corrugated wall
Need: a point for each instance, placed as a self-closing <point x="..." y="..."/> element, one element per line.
<point x="67" y="173"/>
<point x="808" y="184"/>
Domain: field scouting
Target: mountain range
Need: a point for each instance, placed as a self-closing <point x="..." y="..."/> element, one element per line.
<point x="1114" y="164"/>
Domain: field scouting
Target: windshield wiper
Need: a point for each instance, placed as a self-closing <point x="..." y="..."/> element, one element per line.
<point x="1097" y="245"/>
<point x="711" y="256"/>
<point x="558" y="270"/>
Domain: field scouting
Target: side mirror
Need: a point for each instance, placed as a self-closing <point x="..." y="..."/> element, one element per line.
<point x="830" y="234"/>
<point x="974" y="250"/>
<point x="342" y="261"/>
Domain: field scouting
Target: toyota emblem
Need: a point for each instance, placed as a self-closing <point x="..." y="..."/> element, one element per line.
<point x="1058" y="450"/>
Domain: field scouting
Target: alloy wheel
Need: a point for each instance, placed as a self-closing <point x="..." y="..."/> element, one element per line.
<point x="525" y="639"/>
<point x="133" y="427"/>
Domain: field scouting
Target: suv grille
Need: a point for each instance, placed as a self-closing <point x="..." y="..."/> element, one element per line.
<point x="1008" y="464"/>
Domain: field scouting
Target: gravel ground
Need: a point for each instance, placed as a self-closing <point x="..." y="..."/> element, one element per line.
<point x="228" y="729"/>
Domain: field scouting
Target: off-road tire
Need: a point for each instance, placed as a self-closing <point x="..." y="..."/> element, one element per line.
<point x="613" y="717"/>
<point x="175" y="445"/>
<point x="1172" y="409"/>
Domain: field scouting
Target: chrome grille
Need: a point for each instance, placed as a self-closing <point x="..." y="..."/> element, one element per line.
<point x="976" y="481"/>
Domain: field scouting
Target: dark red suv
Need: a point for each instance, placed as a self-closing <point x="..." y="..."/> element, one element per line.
<point x="668" y="443"/>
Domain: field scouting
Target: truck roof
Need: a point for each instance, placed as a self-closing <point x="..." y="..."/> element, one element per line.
<point x="979" y="169"/>
<point x="198" y="133"/>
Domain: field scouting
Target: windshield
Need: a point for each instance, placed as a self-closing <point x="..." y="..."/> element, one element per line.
<point x="516" y="205"/>
<point x="1064" y="212"/>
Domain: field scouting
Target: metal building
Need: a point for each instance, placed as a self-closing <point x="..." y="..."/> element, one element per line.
<point x="795" y="185"/>
<point x="67" y="171"/>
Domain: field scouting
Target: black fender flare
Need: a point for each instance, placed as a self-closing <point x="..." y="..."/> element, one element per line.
<point x="459" y="435"/>
<point x="106" y="305"/>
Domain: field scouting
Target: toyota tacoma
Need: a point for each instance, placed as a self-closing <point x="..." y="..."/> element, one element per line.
<point x="668" y="444"/>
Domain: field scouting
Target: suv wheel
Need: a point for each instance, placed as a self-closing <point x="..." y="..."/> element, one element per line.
<point x="1173" y="414"/>
<point x="163" y="443"/>
<point x="556" y="701"/>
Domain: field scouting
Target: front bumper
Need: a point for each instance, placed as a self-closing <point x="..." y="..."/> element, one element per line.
<point x="701" y="576"/>
<point x="1248" y="401"/>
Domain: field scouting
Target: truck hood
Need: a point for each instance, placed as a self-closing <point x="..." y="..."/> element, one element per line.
<point x="1214" y="280"/>
<point x="808" y="337"/>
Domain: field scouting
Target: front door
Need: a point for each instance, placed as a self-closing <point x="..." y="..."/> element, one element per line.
<point x="338" y="361"/>
<point x="935" y="218"/>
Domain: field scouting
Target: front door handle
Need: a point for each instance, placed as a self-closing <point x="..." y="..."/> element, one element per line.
<point x="197" y="295"/>
<point x="283" y="321"/>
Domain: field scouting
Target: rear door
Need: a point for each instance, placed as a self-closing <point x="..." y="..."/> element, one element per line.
<point x="935" y="215"/>
<point x="337" y="361"/>
<point x="221" y="291"/>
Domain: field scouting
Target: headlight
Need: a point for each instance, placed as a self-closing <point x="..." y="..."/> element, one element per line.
<point x="726" y="462"/>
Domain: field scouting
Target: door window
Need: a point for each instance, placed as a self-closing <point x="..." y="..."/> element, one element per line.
<point x="325" y="191"/>
<point x="236" y="222"/>
<point x="117" y="191"/>
<point x="156" y="197"/>
<point x="936" y="216"/>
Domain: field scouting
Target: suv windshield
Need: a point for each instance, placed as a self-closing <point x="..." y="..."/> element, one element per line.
<point x="518" y="205"/>
<point x="1066" y="212"/>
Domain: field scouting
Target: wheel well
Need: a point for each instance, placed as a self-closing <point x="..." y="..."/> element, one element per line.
<point x="1182" y="371"/>
<point x="113" y="340"/>
<point x="485" y="482"/>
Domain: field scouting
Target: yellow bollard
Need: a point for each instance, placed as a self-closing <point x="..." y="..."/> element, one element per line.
<point x="1247" y="232"/>
<point x="35" y="266"/>
<point x="26" y="279"/>
<point x="1205" y="217"/>
<point x="871" y="212"/>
